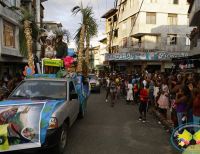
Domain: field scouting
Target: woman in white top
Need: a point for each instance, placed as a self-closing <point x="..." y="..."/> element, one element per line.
<point x="130" y="92"/>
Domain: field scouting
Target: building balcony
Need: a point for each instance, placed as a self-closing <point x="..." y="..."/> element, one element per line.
<point x="194" y="13"/>
<point x="195" y="40"/>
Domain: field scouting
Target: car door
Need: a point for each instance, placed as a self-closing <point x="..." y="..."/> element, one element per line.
<point x="73" y="101"/>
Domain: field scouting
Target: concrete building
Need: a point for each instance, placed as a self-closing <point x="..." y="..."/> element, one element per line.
<point x="97" y="56"/>
<point x="147" y="34"/>
<point x="194" y="16"/>
<point x="52" y="25"/>
<point x="11" y="61"/>
<point x="10" y="57"/>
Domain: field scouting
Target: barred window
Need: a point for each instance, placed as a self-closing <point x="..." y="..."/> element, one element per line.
<point x="9" y="34"/>
<point x="172" y="39"/>
<point x="172" y="19"/>
<point x="151" y="18"/>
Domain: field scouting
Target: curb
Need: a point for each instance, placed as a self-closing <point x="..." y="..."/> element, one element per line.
<point x="163" y="121"/>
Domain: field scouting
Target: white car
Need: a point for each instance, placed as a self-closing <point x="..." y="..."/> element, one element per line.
<point x="94" y="83"/>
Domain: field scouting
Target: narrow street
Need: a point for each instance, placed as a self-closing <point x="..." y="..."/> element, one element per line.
<point x="107" y="130"/>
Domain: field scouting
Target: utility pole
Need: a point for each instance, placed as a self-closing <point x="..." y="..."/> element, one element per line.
<point x="38" y="17"/>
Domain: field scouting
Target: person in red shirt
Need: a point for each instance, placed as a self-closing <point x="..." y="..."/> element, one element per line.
<point x="143" y="103"/>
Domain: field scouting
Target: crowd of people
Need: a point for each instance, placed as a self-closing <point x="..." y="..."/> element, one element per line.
<point x="177" y="94"/>
<point x="8" y="84"/>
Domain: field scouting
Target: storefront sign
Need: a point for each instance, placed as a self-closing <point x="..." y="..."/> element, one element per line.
<point x="144" y="56"/>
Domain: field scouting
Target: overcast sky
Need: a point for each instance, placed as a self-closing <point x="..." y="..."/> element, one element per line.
<point x="60" y="10"/>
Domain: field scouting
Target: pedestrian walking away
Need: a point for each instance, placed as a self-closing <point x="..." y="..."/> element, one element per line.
<point x="107" y="88"/>
<point x="143" y="103"/>
<point x="113" y="91"/>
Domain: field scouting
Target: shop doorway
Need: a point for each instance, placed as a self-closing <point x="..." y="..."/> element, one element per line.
<point x="136" y="69"/>
<point x="153" y="68"/>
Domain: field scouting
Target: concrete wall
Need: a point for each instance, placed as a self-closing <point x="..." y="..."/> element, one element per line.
<point x="194" y="13"/>
<point x="13" y="18"/>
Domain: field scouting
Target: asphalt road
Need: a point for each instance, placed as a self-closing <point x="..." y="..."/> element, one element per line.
<point x="117" y="130"/>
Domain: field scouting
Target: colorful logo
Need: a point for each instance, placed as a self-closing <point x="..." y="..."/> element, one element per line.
<point x="186" y="138"/>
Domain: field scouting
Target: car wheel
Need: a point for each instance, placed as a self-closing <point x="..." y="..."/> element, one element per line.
<point x="60" y="147"/>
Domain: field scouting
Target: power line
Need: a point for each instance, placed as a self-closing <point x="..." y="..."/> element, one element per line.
<point x="136" y="17"/>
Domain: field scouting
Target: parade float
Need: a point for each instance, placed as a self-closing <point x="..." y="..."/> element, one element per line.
<point x="25" y="122"/>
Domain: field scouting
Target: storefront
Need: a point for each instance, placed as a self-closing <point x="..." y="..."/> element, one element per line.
<point x="12" y="65"/>
<point x="190" y="63"/>
<point x="134" y="62"/>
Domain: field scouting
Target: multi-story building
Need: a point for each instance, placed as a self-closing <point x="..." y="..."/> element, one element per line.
<point x="147" y="34"/>
<point x="52" y="25"/>
<point x="97" y="56"/>
<point x="194" y="16"/>
<point x="10" y="57"/>
<point x="11" y="61"/>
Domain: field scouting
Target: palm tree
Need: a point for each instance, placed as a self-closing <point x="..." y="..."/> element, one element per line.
<point x="28" y="32"/>
<point x="91" y="31"/>
<point x="87" y="29"/>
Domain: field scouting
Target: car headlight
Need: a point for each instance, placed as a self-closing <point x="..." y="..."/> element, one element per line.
<point x="53" y="123"/>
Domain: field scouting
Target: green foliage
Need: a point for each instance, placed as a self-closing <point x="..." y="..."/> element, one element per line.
<point x="88" y="20"/>
<point x="64" y="33"/>
<point x="77" y="36"/>
<point x="22" y="42"/>
<point x="26" y="15"/>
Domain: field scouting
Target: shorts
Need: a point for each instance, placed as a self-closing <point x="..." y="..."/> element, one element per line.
<point x="143" y="107"/>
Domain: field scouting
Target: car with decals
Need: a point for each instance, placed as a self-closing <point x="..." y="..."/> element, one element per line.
<point x="39" y="113"/>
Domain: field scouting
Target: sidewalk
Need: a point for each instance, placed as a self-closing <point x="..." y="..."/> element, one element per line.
<point x="167" y="123"/>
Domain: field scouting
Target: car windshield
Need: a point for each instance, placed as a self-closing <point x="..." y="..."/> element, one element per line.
<point x="40" y="89"/>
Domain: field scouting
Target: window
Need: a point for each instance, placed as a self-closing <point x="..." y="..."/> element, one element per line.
<point x="9" y="34"/>
<point x="173" y="1"/>
<point x="124" y="26"/>
<point x="172" y="39"/>
<point x="124" y="42"/>
<point x="172" y="19"/>
<point x="116" y="33"/>
<point x="151" y="18"/>
<point x="115" y="18"/>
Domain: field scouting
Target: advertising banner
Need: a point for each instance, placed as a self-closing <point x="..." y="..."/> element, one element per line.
<point x="20" y="126"/>
<point x="53" y="62"/>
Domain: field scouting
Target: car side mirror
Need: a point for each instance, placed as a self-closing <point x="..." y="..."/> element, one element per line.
<point x="73" y="96"/>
